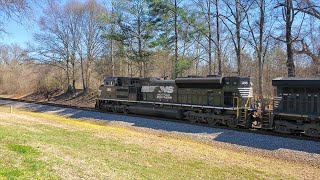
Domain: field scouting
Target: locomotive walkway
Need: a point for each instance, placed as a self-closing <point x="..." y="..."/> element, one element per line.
<point x="278" y="147"/>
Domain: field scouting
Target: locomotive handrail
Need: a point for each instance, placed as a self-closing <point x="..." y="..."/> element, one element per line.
<point x="237" y="108"/>
<point x="245" y="107"/>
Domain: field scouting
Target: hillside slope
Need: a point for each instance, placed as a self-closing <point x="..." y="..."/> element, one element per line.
<point x="37" y="145"/>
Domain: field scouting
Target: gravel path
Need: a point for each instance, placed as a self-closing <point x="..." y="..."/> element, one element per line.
<point x="290" y="149"/>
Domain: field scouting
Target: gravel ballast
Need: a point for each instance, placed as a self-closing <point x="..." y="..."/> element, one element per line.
<point x="301" y="151"/>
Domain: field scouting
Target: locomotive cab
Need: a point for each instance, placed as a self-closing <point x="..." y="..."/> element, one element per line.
<point x="237" y="91"/>
<point x="115" y="89"/>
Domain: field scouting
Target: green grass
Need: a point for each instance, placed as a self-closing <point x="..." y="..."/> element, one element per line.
<point x="53" y="148"/>
<point x="22" y="149"/>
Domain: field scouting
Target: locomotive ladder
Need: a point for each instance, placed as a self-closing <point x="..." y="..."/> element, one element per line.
<point x="266" y="120"/>
<point x="243" y="117"/>
<point x="267" y="116"/>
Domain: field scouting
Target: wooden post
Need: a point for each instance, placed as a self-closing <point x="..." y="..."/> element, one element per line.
<point x="10" y="109"/>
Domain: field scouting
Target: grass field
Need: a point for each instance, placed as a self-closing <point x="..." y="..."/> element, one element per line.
<point x="44" y="146"/>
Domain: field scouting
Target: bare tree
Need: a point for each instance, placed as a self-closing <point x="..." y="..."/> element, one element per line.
<point x="234" y="18"/>
<point x="260" y="37"/>
<point x="14" y="9"/>
<point x="53" y="41"/>
<point x="73" y="13"/>
<point x="310" y="8"/>
<point x="91" y="36"/>
<point x="288" y="13"/>
<point x="218" y="43"/>
<point x="59" y="38"/>
<point x="17" y="72"/>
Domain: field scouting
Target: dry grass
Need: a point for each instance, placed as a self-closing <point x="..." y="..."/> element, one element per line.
<point x="36" y="145"/>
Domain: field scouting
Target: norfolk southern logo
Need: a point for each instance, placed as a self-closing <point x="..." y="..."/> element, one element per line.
<point x="165" y="92"/>
<point x="166" y="89"/>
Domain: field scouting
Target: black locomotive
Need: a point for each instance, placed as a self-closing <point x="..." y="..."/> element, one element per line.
<point x="297" y="106"/>
<point x="216" y="100"/>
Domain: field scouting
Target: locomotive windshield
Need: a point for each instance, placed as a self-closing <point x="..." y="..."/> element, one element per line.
<point x="109" y="81"/>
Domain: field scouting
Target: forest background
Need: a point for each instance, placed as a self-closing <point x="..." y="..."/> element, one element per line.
<point x="80" y="42"/>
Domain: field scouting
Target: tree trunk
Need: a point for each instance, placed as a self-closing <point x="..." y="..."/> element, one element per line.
<point x="260" y="49"/>
<point x="69" y="90"/>
<point x="238" y="36"/>
<point x="82" y="75"/>
<point x="209" y="36"/>
<point x="218" y="39"/>
<point x="140" y="55"/>
<point x="112" y="60"/>
<point x="175" y="62"/>
<point x="289" y="20"/>
<point x="73" y="77"/>
<point x="111" y="42"/>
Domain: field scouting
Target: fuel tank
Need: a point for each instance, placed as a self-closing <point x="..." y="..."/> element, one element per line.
<point x="157" y="111"/>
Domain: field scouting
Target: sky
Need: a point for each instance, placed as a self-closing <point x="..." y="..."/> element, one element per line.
<point x="18" y="33"/>
<point x="21" y="33"/>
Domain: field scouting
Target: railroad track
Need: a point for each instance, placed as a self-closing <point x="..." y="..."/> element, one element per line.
<point x="254" y="131"/>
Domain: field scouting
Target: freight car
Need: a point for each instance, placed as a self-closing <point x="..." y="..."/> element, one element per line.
<point x="212" y="99"/>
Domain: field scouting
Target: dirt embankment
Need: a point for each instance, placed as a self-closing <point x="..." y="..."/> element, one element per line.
<point x="79" y="98"/>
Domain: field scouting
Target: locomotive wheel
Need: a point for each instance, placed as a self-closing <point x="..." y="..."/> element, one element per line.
<point x="281" y="129"/>
<point x="192" y="119"/>
<point x="212" y="121"/>
<point x="312" y="132"/>
<point x="233" y="123"/>
<point x="114" y="110"/>
<point x="125" y="110"/>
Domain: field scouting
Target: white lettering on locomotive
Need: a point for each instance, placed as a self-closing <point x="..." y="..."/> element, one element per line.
<point x="245" y="83"/>
<point x="165" y="92"/>
<point x="166" y="89"/>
